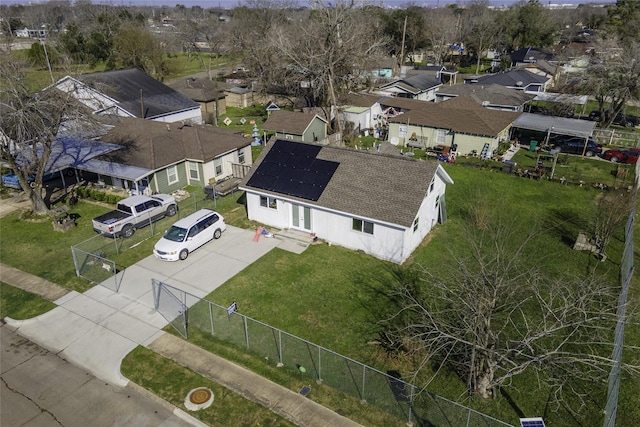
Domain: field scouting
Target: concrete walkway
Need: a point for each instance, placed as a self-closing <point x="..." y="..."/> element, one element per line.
<point x="97" y="329"/>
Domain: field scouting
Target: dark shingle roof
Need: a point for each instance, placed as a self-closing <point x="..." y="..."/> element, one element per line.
<point x="492" y="93"/>
<point x="288" y="121"/>
<point x="369" y="185"/>
<point x="154" y="145"/>
<point x="513" y="78"/>
<point x="461" y="114"/>
<point x="135" y="90"/>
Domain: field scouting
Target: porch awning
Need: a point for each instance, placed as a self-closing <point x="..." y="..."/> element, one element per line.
<point x="116" y="170"/>
<point x="559" y="125"/>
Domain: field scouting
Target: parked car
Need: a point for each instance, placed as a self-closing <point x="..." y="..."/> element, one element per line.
<point x="134" y="212"/>
<point x="11" y="179"/>
<point x="188" y="234"/>
<point x="629" y="155"/>
<point x="576" y="145"/>
<point x="621" y="119"/>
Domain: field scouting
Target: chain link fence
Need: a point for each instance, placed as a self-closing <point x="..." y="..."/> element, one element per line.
<point x="386" y="391"/>
<point x="93" y="258"/>
<point x="626" y="273"/>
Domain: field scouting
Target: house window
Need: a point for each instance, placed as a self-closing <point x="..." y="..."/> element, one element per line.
<point x="415" y="224"/>
<point x="172" y="174"/>
<point x="268" y="202"/>
<point x="217" y="163"/>
<point x="441" y="136"/>
<point x="241" y="156"/>
<point x="432" y="186"/>
<point x="193" y="171"/>
<point x="362" y="226"/>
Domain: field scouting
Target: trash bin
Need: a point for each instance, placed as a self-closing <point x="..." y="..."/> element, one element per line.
<point x="210" y="192"/>
<point x="532" y="145"/>
<point x="508" y="166"/>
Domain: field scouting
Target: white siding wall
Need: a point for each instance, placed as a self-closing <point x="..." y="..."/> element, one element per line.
<point x="388" y="242"/>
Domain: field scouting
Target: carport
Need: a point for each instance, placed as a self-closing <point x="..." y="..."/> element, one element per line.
<point x="121" y="175"/>
<point x="547" y="125"/>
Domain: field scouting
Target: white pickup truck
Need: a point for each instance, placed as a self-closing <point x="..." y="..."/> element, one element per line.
<point x="134" y="212"/>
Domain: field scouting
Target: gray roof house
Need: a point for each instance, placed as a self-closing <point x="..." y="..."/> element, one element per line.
<point x="492" y="96"/>
<point x="296" y="126"/>
<point x="460" y="123"/>
<point x="131" y="93"/>
<point x="421" y="86"/>
<point x="382" y="205"/>
<point x="162" y="157"/>
<point x="515" y="79"/>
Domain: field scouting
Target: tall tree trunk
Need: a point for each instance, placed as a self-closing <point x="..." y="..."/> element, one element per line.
<point x="37" y="202"/>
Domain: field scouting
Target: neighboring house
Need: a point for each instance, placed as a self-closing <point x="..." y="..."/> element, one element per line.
<point x="239" y="96"/>
<point x="206" y="92"/>
<point x="515" y="79"/>
<point x="34" y="33"/>
<point x="421" y="86"/>
<point x="131" y="93"/>
<point x="161" y="157"/>
<point x="493" y="96"/>
<point x="381" y="205"/>
<point x="529" y="55"/>
<point x="460" y="123"/>
<point x="358" y="113"/>
<point x="296" y="126"/>
<point x="440" y="72"/>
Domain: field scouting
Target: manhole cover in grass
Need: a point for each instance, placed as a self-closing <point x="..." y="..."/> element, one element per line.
<point x="198" y="398"/>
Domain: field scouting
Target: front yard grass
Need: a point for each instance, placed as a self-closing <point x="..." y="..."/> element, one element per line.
<point x="20" y="305"/>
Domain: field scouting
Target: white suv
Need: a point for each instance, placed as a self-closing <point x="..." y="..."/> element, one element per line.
<point x="188" y="234"/>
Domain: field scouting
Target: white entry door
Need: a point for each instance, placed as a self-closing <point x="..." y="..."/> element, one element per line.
<point x="301" y="217"/>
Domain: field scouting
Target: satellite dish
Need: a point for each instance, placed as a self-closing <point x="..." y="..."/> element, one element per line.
<point x="519" y="83"/>
<point x="395" y="140"/>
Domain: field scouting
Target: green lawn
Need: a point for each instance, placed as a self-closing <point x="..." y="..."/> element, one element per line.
<point x="321" y="294"/>
<point x="20" y="305"/>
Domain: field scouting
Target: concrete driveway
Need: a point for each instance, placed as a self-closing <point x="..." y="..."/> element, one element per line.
<point x="97" y="329"/>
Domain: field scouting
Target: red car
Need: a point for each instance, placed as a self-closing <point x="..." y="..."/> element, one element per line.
<point x="629" y="155"/>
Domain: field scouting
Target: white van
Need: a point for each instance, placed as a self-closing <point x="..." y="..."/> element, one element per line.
<point x="188" y="234"/>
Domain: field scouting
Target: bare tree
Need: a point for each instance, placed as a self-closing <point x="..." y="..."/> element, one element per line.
<point x="442" y="31"/>
<point x="29" y="125"/>
<point x="330" y="51"/>
<point x="492" y="315"/>
<point x="612" y="211"/>
<point x="613" y="77"/>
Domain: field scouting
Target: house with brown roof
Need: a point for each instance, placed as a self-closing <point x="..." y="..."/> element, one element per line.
<point x="161" y="158"/>
<point x="296" y="126"/>
<point x="208" y="93"/>
<point x="362" y="200"/>
<point x="493" y="96"/>
<point x="460" y="123"/>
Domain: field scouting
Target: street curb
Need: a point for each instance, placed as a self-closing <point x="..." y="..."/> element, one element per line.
<point x="170" y="407"/>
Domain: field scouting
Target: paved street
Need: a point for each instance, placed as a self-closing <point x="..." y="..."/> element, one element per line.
<point x="41" y="389"/>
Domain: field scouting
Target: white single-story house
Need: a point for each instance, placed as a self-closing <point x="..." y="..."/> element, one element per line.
<point x="379" y="204"/>
<point x="131" y="93"/>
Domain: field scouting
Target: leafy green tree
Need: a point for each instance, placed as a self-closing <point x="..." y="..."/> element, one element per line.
<point x="528" y="25"/>
<point x="405" y="30"/>
<point x="136" y="47"/>
<point x="624" y="19"/>
<point x="73" y="43"/>
<point x="43" y="57"/>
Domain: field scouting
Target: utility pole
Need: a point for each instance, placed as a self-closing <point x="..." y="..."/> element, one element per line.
<point x="404" y="33"/>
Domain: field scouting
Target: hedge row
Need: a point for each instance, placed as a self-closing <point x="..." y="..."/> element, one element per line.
<point x="100" y="196"/>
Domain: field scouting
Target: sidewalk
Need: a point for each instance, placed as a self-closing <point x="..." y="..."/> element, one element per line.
<point x="95" y="330"/>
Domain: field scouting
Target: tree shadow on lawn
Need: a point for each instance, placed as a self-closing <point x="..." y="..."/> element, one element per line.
<point x="564" y="222"/>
